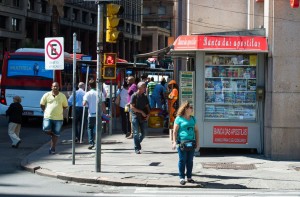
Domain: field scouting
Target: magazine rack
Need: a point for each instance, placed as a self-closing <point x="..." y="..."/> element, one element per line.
<point x="230" y="87"/>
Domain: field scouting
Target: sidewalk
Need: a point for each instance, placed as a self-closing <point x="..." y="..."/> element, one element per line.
<point x="157" y="165"/>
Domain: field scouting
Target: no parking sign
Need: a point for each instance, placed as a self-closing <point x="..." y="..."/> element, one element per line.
<point x="54" y="53"/>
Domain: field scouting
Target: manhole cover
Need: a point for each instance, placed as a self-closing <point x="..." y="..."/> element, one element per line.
<point x="229" y="166"/>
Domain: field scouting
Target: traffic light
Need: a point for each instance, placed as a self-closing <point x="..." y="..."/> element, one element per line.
<point x="109" y="66"/>
<point x="113" y="22"/>
<point x="109" y="59"/>
<point x="109" y="72"/>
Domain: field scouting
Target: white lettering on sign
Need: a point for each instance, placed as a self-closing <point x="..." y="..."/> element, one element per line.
<point x="54" y="53"/>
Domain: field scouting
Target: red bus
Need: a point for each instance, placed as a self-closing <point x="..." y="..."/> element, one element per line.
<point x="24" y="74"/>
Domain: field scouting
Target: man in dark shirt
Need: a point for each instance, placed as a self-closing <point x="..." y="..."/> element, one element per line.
<point x="139" y="105"/>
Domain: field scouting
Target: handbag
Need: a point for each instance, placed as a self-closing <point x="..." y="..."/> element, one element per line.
<point x="187" y="145"/>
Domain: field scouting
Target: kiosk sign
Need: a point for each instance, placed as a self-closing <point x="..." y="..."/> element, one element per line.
<point x="54" y="53"/>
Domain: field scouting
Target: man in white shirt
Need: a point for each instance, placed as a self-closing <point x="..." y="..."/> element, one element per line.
<point x="90" y="100"/>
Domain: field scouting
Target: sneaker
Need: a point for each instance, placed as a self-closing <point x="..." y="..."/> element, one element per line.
<point x="51" y="151"/>
<point x="17" y="145"/>
<point x="137" y="151"/>
<point x="182" y="182"/>
<point x="91" y="146"/>
<point x="191" y="181"/>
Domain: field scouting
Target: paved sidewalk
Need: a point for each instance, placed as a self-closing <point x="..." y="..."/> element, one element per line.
<point x="157" y="165"/>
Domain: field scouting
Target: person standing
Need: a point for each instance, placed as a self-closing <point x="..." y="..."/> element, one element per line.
<point x="131" y="90"/>
<point x="150" y="88"/>
<point x="14" y="113"/>
<point x="185" y="128"/>
<point x="123" y="94"/>
<point x="53" y="103"/>
<point x="172" y="102"/>
<point x="78" y="109"/>
<point x="158" y="94"/>
<point x="90" y="101"/>
<point x="140" y="110"/>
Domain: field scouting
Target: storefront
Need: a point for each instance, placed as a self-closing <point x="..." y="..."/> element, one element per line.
<point x="228" y="90"/>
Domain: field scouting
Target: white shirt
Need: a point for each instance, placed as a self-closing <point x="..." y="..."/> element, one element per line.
<point x="91" y="98"/>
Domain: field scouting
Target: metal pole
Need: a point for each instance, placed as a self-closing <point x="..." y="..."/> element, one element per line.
<point x="111" y="107"/>
<point x="83" y="112"/>
<point x="99" y="88"/>
<point x="74" y="99"/>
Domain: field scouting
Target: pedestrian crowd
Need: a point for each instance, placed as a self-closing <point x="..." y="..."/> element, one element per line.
<point x="135" y="99"/>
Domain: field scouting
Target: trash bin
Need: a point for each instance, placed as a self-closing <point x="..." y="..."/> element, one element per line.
<point x="156" y="119"/>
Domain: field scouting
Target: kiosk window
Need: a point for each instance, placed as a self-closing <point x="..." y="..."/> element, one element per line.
<point x="230" y="87"/>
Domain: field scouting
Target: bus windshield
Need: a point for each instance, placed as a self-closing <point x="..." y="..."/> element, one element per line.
<point x="21" y="68"/>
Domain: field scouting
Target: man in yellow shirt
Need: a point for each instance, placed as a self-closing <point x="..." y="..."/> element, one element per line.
<point x="53" y="103"/>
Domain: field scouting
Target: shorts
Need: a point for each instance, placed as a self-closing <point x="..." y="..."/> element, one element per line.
<point x="52" y="125"/>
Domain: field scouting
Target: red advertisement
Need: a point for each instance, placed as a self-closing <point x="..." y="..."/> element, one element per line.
<point x="230" y="135"/>
<point x="224" y="43"/>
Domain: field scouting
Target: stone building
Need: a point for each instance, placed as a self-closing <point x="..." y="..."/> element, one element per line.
<point x="278" y="22"/>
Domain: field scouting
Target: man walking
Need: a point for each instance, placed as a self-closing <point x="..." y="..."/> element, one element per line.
<point x="139" y="106"/>
<point x="90" y="100"/>
<point x="53" y="103"/>
<point x="131" y="90"/>
<point x="78" y="109"/>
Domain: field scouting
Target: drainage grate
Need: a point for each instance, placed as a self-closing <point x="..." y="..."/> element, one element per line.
<point x="229" y="166"/>
<point x="154" y="163"/>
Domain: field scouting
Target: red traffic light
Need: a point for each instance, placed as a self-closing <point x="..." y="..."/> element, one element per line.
<point x="110" y="59"/>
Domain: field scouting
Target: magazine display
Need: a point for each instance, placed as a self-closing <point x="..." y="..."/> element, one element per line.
<point x="230" y="87"/>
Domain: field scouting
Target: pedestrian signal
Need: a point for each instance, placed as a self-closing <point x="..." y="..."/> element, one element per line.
<point x="110" y="59"/>
<point x="109" y="72"/>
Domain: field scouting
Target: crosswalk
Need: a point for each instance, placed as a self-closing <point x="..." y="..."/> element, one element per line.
<point x="186" y="192"/>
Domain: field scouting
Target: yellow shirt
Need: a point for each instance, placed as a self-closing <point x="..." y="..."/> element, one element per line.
<point x="54" y="105"/>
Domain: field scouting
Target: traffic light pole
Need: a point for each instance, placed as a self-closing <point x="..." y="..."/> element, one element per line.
<point x="99" y="87"/>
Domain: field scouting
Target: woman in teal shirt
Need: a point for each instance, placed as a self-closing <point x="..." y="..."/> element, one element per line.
<point x="185" y="128"/>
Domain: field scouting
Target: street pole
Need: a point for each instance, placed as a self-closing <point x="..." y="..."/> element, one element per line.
<point x="99" y="87"/>
<point x="74" y="98"/>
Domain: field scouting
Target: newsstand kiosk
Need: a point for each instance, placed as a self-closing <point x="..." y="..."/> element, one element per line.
<point x="229" y="88"/>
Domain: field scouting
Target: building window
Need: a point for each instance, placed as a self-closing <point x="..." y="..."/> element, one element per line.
<point x="146" y="11"/>
<point x="31" y="5"/>
<point x="2" y="22"/>
<point x="161" y="10"/>
<point x="127" y="28"/>
<point x="84" y="17"/>
<point x="15" y="23"/>
<point x="132" y="28"/>
<point x="75" y="15"/>
<point x="44" y="6"/>
<point x="138" y="29"/>
<point x="66" y="12"/>
<point x="93" y="19"/>
<point x="16" y="3"/>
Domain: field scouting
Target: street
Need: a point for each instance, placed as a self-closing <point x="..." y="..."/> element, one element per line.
<point x="17" y="182"/>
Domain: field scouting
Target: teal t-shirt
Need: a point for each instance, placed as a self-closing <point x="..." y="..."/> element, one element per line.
<point x="186" y="128"/>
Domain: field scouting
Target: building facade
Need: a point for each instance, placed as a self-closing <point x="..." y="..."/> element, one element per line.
<point x="279" y="69"/>
<point x="27" y="23"/>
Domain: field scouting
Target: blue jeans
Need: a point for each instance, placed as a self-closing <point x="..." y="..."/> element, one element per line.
<point x="91" y="130"/>
<point x="53" y="126"/>
<point x="185" y="162"/>
<point x="138" y="136"/>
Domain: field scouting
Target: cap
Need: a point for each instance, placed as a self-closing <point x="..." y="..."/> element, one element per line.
<point x="172" y="82"/>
